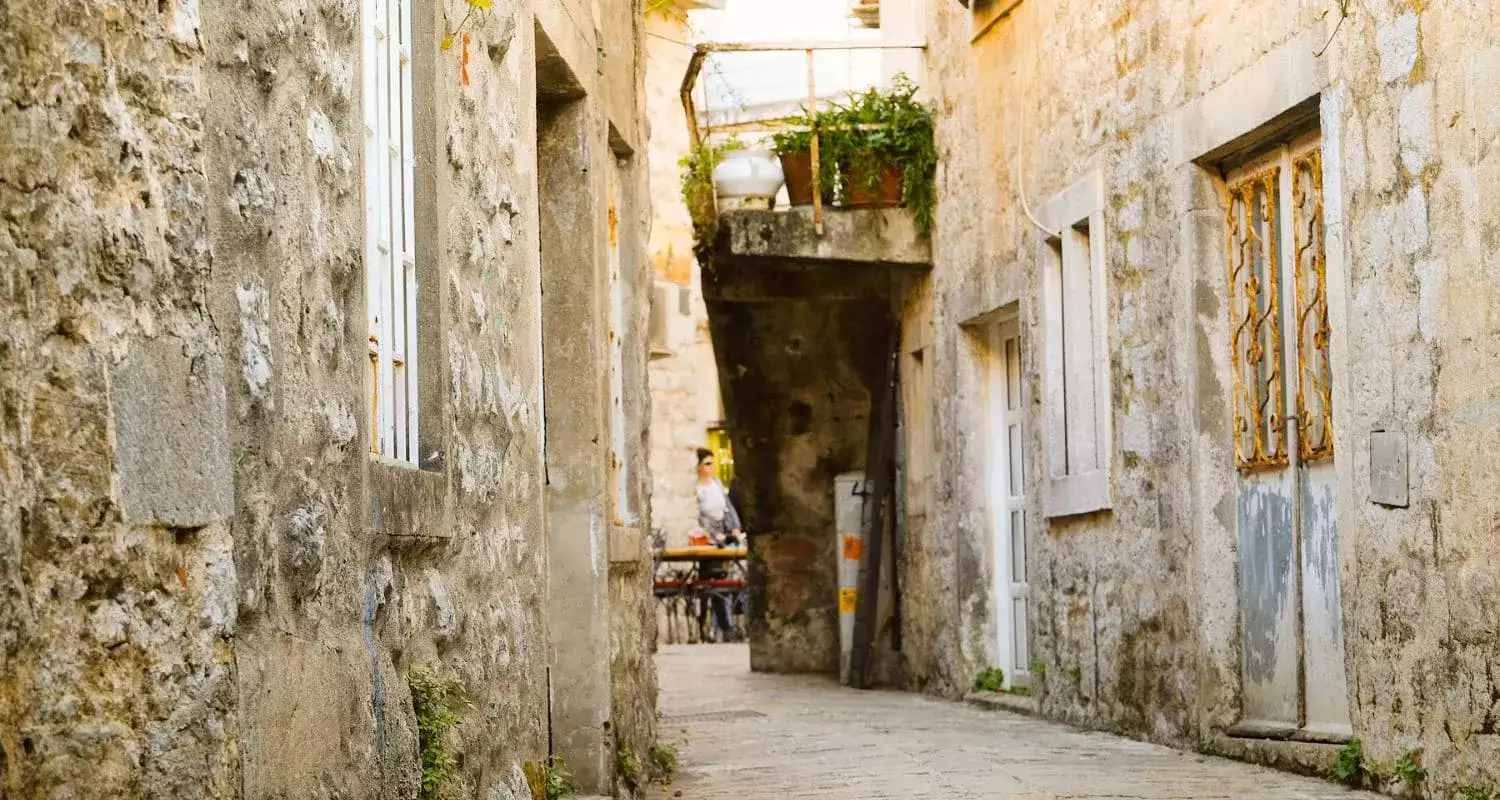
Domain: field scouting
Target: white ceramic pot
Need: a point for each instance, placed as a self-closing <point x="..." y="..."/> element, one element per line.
<point x="747" y="179"/>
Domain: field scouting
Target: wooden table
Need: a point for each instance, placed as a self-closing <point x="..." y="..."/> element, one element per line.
<point x="686" y="592"/>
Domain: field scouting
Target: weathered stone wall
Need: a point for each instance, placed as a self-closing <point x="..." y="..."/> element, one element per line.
<point x="116" y="667"/>
<point x="1412" y="109"/>
<point x="631" y="591"/>
<point x="1133" y="611"/>
<point x="212" y="590"/>
<point x="798" y="414"/>
<point x="684" y="384"/>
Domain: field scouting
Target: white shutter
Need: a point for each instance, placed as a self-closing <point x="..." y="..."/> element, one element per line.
<point x="408" y="260"/>
<point x="1075" y="355"/>
<point x="390" y="262"/>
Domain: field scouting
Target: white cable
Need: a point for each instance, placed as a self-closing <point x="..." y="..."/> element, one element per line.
<point x="1020" y="164"/>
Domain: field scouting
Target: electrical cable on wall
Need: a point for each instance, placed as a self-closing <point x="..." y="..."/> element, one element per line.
<point x="1020" y="173"/>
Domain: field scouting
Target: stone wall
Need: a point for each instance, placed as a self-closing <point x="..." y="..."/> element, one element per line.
<point x="801" y="325"/>
<point x="1133" y="611"/>
<point x="684" y="384"/>
<point x="211" y="588"/>
<point x="798" y="414"/>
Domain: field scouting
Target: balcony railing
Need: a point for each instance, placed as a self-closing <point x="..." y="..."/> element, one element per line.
<point x="700" y="54"/>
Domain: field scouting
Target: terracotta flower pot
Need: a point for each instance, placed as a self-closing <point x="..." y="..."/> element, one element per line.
<point x="885" y="194"/>
<point x="797" y="167"/>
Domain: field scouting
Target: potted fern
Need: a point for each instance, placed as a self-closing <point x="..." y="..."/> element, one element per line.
<point x="883" y="146"/>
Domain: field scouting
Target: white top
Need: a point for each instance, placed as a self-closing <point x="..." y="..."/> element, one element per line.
<point x="712" y="499"/>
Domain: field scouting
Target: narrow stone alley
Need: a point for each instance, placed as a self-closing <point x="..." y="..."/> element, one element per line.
<point x="750" y="736"/>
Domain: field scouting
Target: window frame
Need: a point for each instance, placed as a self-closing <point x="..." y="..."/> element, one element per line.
<point x="1076" y="215"/>
<point x="388" y="126"/>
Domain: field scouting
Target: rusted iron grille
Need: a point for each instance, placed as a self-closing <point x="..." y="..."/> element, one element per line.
<point x="1315" y="378"/>
<point x="1254" y="322"/>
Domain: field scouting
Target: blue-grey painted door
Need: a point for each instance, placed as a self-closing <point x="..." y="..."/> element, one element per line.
<point x="1292" y="666"/>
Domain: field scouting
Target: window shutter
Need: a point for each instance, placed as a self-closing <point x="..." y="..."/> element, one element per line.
<point x="1075" y="356"/>
<point x="390" y="253"/>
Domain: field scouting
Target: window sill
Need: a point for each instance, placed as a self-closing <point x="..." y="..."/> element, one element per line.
<point x="407" y="503"/>
<point x="627" y="545"/>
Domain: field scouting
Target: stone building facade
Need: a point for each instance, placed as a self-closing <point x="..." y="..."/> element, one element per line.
<point x="684" y="389"/>
<point x="210" y="586"/>
<point x="1201" y="389"/>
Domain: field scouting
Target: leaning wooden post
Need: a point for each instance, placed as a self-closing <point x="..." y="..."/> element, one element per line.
<point x="812" y="115"/>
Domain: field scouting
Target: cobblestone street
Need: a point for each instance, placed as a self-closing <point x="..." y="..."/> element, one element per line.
<point x="766" y="736"/>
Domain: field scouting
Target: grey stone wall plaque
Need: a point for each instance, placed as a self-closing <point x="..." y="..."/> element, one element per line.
<point x="1388" y="475"/>
<point x="172" y="441"/>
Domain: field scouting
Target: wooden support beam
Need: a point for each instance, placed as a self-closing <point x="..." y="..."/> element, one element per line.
<point x="812" y="113"/>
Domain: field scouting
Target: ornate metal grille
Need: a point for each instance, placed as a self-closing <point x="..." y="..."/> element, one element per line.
<point x="1314" y="373"/>
<point x="1255" y="321"/>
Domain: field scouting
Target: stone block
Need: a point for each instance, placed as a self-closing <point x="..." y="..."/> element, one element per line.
<point x="1306" y="758"/>
<point x="997" y="701"/>
<point x="172" y="444"/>
<point x="409" y="504"/>
<point x="1388" y="475"/>
<point x="626" y="545"/>
<point x="1397" y="43"/>
<point x="1415" y="127"/>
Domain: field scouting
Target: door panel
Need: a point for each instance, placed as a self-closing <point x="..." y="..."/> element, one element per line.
<point x="1327" y="689"/>
<point x="1011" y="588"/>
<point x="1292" y="665"/>
<point x="1268" y="599"/>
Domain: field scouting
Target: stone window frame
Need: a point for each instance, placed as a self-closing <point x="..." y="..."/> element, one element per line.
<point x="1077" y="438"/>
<point x="412" y="499"/>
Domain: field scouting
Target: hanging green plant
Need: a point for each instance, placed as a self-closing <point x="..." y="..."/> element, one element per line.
<point x="698" y="182"/>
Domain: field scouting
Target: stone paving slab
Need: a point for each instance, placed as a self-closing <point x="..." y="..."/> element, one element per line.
<point x="808" y="737"/>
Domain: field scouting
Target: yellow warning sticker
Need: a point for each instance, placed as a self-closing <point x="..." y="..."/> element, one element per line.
<point x="846" y="600"/>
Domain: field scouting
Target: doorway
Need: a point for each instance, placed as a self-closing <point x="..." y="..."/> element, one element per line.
<point x="1292" y="651"/>
<point x="1010" y="590"/>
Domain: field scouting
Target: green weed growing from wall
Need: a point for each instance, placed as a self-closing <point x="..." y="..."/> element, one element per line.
<point x="1351" y="763"/>
<point x="989" y="679"/>
<point x="439" y="704"/>
<point x="663" y="762"/>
